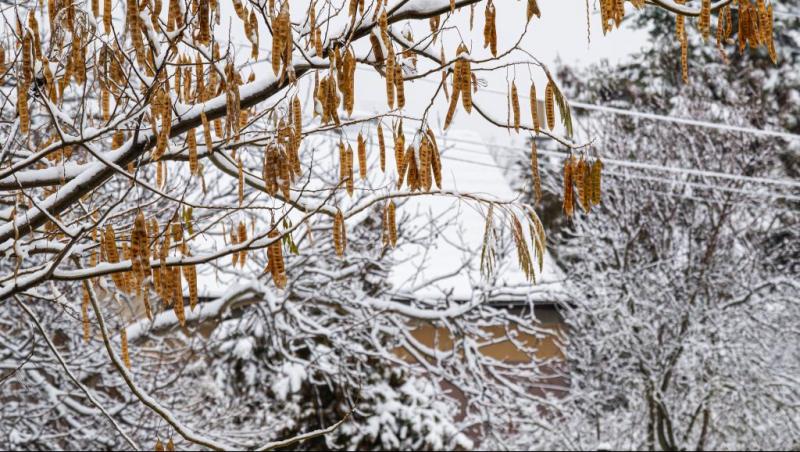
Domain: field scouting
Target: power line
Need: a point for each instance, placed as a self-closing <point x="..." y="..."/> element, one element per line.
<point x="621" y="163"/>
<point x="649" y="166"/>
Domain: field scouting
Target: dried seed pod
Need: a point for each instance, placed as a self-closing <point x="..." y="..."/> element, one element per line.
<point x="515" y="105"/>
<point x="381" y="148"/>
<point x="549" y="105"/>
<point x="390" y="214"/>
<point x="537" y="181"/>
<point x="339" y="233"/>
<point x="362" y="156"/>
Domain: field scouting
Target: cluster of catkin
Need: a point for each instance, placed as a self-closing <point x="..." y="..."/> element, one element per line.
<point x="143" y="244"/>
<point x="463" y="82"/>
<point x="613" y="11"/>
<point x="582" y="183"/>
<point x="755" y="26"/>
<point x="421" y="167"/>
<point x="282" y="156"/>
<point x="282" y="43"/>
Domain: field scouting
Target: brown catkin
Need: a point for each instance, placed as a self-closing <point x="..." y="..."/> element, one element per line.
<point x="362" y="156"/>
<point x="350" y="184"/>
<point x="85" y="312"/>
<point x="399" y="84"/>
<point x="392" y="224"/>
<point x="568" y="190"/>
<point x="241" y="238"/>
<point x="190" y="275"/>
<point x="339" y="233"/>
<point x="381" y="148"/>
<point x="515" y="105"/>
<point x="297" y="119"/>
<point x="534" y="109"/>
<point x="276" y="264"/>
<point x="177" y="295"/>
<point x="537" y="181"/>
<point x="436" y="162"/>
<point x="123" y="337"/>
<point x="597" y="169"/>
<point x="107" y="16"/>
<point x="685" y="60"/>
<point x="489" y="28"/>
<point x="191" y="144"/>
<point x="549" y="105"/>
<point x="704" y="23"/>
<point x="22" y="107"/>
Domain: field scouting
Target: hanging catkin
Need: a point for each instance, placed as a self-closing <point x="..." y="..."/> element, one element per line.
<point x="489" y="28"/>
<point x="190" y="274"/>
<point x="240" y="239"/>
<point x="350" y="183"/>
<point x="362" y="156"/>
<point x="106" y="16"/>
<point x="568" y="190"/>
<point x="123" y="337"/>
<point x="537" y="181"/>
<point x="177" y="295"/>
<point x="191" y="144"/>
<point x="597" y="169"/>
<point x="399" y="84"/>
<point x="276" y="263"/>
<point x="381" y="148"/>
<point x="534" y="109"/>
<point x="704" y="23"/>
<point x="339" y="233"/>
<point x="549" y="105"/>
<point x="515" y="105"/>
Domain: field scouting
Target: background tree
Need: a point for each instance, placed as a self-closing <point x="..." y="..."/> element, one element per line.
<point x="681" y="325"/>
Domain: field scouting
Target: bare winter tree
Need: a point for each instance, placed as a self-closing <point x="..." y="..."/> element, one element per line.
<point x="190" y="257"/>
